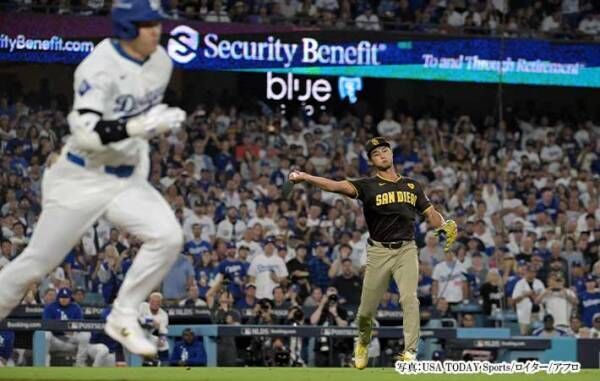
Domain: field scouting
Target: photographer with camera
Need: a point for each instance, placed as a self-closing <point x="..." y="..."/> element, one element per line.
<point x="329" y="313"/>
<point x="296" y="318"/>
<point x="259" y="347"/>
<point x="224" y="313"/>
<point x="558" y="301"/>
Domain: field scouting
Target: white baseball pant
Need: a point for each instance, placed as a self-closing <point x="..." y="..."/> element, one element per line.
<point x="73" y="198"/>
<point x="101" y="355"/>
<point x="75" y="342"/>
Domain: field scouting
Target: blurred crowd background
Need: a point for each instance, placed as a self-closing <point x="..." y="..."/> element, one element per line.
<point x="557" y="18"/>
<point x="523" y="191"/>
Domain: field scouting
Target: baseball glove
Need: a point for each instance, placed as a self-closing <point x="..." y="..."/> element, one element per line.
<point x="448" y="231"/>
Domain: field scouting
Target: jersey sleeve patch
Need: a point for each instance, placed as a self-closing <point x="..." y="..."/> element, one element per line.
<point x="84" y="87"/>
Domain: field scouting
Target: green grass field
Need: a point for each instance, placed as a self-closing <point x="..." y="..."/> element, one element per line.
<point x="260" y="374"/>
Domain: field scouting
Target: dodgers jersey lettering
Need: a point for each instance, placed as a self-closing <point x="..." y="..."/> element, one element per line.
<point x="117" y="87"/>
<point x="391" y="207"/>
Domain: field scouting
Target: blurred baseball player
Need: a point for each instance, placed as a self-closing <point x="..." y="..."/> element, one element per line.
<point x="390" y="204"/>
<point x="65" y="309"/>
<point x="156" y="323"/>
<point x="103" y="168"/>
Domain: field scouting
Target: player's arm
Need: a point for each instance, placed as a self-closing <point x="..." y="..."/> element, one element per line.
<point x="92" y="132"/>
<point x="433" y="217"/>
<point x="342" y="187"/>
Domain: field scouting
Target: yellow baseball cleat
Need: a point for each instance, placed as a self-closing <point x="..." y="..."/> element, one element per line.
<point x="361" y="356"/>
<point x="407" y="356"/>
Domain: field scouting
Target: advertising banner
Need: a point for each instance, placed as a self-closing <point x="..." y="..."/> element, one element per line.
<point x="298" y="51"/>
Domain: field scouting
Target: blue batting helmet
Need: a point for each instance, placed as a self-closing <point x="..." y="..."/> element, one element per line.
<point x="126" y="13"/>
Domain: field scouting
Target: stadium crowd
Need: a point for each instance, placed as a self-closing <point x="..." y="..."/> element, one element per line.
<point x="558" y="18"/>
<point x="525" y="193"/>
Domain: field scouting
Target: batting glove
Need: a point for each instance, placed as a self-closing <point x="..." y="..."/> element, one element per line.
<point x="158" y="120"/>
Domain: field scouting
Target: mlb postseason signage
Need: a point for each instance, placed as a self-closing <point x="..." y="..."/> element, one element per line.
<point x="301" y="51"/>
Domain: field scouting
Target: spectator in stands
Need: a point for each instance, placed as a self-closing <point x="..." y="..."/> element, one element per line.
<point x="189" y="351"/>
<point x="525" y="299"/>
<point x="315" y="297"/>
<point x="349" y="285"/>
<point x="448" y="279"/>
<point x="231" y="273"/>
<point x="425" y="285"/>
<point x="155" y="321"/>
<point x="319" y="264"/>
<point x="549" y="329"/>
<point x="6" y="252"/>
<point x="558" y="300"/>
<point x="552" y="22"/>
<point x="368" y="20"/>
<point x="193" y="298"/>
<point x="196" y="245"/>
<point x="179" y="279"/>
<point x="64" y="309"/>
<point x="217" y="14"/>
<point x="467" y="321"/>
<point x="108" y="273"/>
<point x="431" y="253"/>
<point x="441" y="310"/>
<point x="389" y="302"/>
<point x="31" y="296"/>
<point x="279" y="300"/>
<point x="590" y="300"/>
<point x="590" y="25"/>
<point x="7" y="342"/>
<point x="267" y="270"/>
<point x="298" y="270"/>
<point x="231" y="228"/>
<point x="575" y="326"/>
<point x="49" y="296"/>
<point x="79" y="296"/>
<point x="478" y="269"/>
<point x="249" y="299"/>
<point x="595" y="331"/>
<point x="389" y="127"/>
<point x="114" y="241"/>
<point x="492" y="292"/>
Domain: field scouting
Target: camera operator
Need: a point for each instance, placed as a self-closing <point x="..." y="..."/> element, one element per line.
<point x="259" y="347"/>
<point x="296" y="318"/>
<point x="278" y="354"/>
<point x="224" y="313"/>
<point x="263" y="313"/>
<point x="329" y="313"/>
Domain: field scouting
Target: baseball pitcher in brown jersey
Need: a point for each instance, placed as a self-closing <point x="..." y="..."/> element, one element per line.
<point x="391" y="204"/>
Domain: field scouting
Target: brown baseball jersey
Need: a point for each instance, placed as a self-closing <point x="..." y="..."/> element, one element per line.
<point x="391" y="207"/>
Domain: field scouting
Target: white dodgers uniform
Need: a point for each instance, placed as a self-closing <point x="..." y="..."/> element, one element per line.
<point x="110" y="181"/>
<point x="157" y="335"/>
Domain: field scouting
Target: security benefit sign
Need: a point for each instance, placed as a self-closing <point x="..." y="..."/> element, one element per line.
<point x="265" y="51"/>
<point x="310" y="93"/>
<point x="389" y="55"/>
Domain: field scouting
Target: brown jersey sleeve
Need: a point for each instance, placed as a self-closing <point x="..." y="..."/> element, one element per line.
<point x="360" y="187"/>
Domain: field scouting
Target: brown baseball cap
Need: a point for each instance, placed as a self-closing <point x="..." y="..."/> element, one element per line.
<point x="376" y="142"/>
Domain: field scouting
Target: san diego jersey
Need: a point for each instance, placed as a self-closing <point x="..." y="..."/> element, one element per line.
<point x="114" y="85"/>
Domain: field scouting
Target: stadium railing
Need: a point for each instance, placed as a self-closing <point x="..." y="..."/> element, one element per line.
<point x="497" y="339"/>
